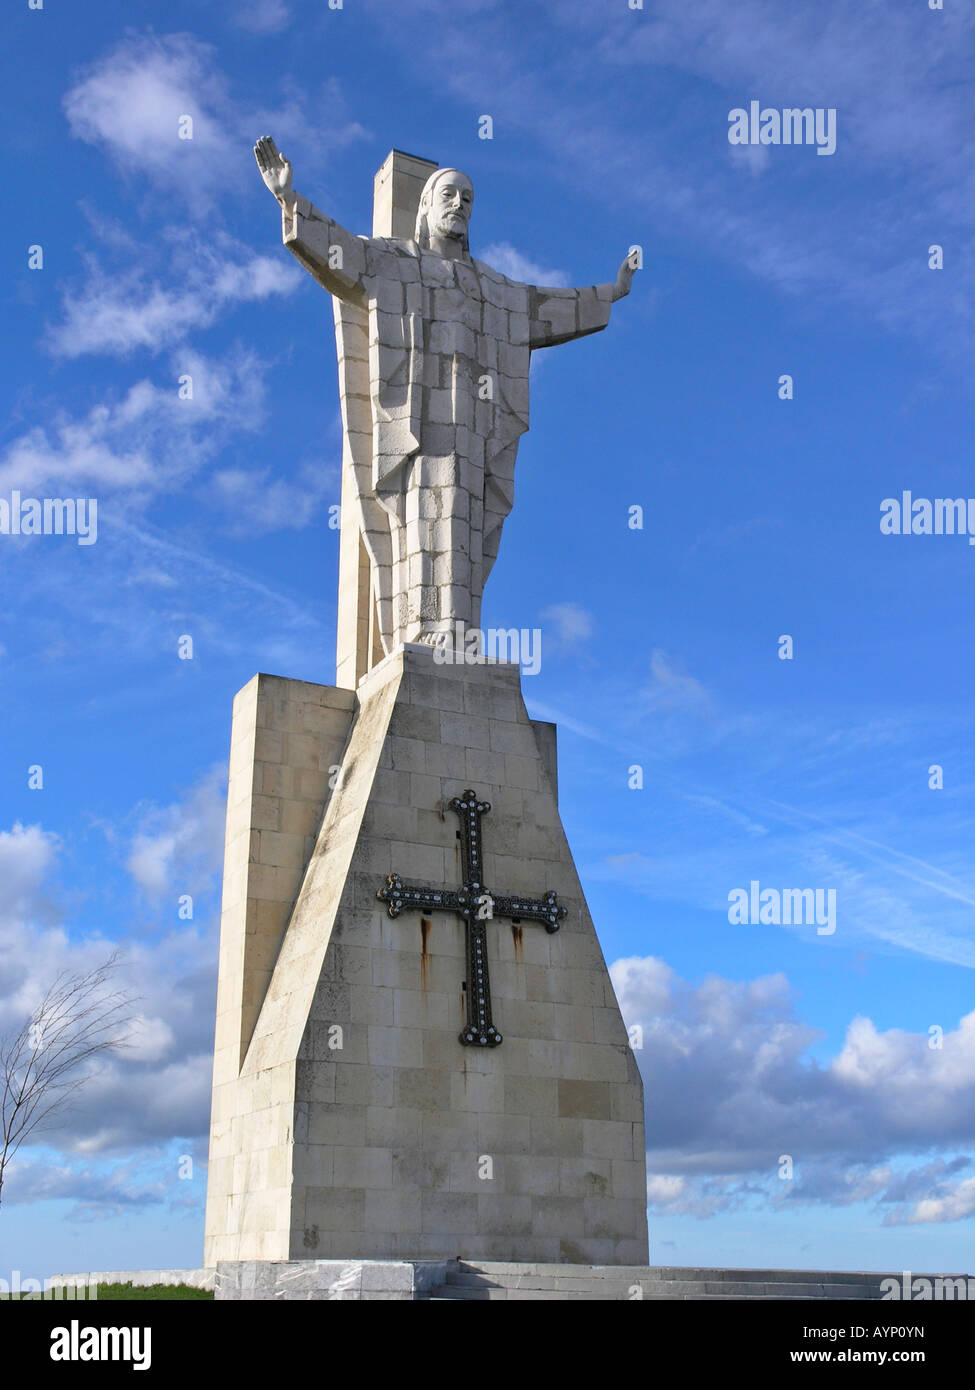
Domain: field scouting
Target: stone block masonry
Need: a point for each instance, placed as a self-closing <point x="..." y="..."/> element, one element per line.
<point x="349" y="1122"/>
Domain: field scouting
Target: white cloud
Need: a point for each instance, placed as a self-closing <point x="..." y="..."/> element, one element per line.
<point x="148" y="440"/>
<point x="256" y="502"/>
<point x="955" y="1206"/>
<point x="665" y="1190"/>
<point x="504" y="257"/>
<point x="132" y="102"/>
<point x="111" y="1192"/>
<point x="673" y="689"/>
<point x="157" y="1089"/>
<point x="179" y="848"/>
<point x="572" y="622"/>
<point x="148" y="1039"/>
<point x="937" y="1083"/>
<point x="28" y="914"/>
<point x="120" y="313"/>
<point x="129" y="1105"/>
<point x="730" y="1088"/>
<point x="26" y="855"/>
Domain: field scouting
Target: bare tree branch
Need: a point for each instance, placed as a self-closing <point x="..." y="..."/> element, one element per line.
<point x="81" y="1017"/>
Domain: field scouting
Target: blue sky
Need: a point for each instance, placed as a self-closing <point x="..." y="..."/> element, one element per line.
<point x="162" y="257"/>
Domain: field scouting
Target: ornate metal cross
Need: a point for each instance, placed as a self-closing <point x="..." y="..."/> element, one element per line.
<point x="476" y="905"/>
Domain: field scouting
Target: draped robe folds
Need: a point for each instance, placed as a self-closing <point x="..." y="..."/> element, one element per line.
<point x="433" y="370"/>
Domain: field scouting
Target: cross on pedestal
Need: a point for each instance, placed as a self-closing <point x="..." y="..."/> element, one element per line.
<point x="476" y="905"/>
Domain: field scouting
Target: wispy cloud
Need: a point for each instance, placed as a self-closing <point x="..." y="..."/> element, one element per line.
<point x="502" y="256"/>
<point x="673" y="689"/>
<point x="817" y="799"/>
<point x="838" y="232"/>
<point x="255" y="500"/>
<point x="573" y="624"/>
<point x="263" y="16"/>
<point x="928" y="914"/>
<point x="121" y="313"/>
<point x="136" y="101"/>
<point x="152" y="438"/>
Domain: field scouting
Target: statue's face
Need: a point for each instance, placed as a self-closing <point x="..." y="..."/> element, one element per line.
<point x="450" y="205"/>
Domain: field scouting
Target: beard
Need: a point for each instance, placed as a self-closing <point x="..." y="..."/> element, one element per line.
<point x="455" y="227"/>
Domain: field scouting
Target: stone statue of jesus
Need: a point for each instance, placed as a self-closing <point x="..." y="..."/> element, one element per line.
<point x="434" y="350"/>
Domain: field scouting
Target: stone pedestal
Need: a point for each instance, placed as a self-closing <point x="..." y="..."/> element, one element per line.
<point x="349" y="1123"/>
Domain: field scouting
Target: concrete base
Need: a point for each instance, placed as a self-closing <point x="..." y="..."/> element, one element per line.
<point x="348" y="1118"/>
<point x="463" y="1281"/>
<point x="635" y="1283"/>
<point x="402" y="1281"/>
<point x="466" y="1281"/>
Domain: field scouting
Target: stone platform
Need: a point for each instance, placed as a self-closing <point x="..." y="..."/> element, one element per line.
<point x="482" y="1282"/>
<point x="485" y="1281"/>
<point x="349" y="1111"/>
<point x="461" y="1280"/>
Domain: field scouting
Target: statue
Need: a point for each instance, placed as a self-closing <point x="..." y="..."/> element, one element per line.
<point x="434" y="350"/>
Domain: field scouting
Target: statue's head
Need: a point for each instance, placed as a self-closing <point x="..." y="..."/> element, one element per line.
<point x="445" y="208"/>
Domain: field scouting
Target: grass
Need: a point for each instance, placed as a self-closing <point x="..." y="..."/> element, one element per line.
<point x="125" y="1293"/>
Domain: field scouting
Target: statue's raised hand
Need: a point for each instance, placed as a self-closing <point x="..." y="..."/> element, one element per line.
<point x="275" y="169"/>
<point x="624" y="277"/>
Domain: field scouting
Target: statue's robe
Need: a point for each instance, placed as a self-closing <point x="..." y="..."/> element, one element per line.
<point x="433" y="371"/>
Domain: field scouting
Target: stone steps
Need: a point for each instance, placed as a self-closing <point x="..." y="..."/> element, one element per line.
<point x="664" y="1291"/>
<point x="445" y="1293"/>
<point x="497" y="1282"/>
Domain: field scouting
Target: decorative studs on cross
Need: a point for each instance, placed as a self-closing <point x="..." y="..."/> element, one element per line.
<point x="476" y="906"/>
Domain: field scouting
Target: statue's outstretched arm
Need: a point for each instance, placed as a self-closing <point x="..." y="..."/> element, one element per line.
<point x="558" y="315"/>
<point x="335" y="257"/>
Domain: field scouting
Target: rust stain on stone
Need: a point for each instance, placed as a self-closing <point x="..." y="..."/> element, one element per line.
<point x="517" y="938"/>
<point x="424" y="934"/>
